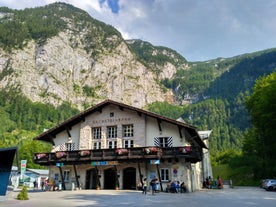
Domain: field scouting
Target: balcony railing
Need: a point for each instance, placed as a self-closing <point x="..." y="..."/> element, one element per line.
<point x="191" y="154"/>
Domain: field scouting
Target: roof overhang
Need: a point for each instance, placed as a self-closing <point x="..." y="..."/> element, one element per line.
<point x="50" y="134"/>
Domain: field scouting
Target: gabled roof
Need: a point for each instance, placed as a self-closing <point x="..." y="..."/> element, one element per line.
<point x="51" y="133"/>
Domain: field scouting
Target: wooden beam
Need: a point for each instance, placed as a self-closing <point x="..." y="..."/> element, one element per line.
<point x="180" y="134"/>
<point x="159" y="125"/>
<point x="51" y="139"/>
<point x="159" y="177"/>
<point x="76" y="176"/>
<point x="68" y="130"/>
<point x="139" y="168"/>
<point x="62" y="178"/>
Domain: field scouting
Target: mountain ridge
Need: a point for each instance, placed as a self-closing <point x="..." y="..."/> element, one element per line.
<point x="80" y="61"/>
<point x="83" y="62"/>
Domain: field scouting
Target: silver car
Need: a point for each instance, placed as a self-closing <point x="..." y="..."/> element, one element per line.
<point x="269" y="183"/>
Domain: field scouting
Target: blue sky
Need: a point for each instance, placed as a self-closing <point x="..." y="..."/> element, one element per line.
<point x="112" y="4"/>
<point x="197" y="29"/>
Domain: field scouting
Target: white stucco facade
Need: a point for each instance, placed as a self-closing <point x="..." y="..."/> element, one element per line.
<point x="117" y="127"/>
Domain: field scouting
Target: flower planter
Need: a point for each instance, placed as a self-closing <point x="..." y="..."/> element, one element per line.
<point x="84" y="153"/>
<point x="40" y="156"/>
<point x="151" y="150"/>
<point x="60" y="155"/>
<point x="122" y="151"/>
<point x="185" y="150"/>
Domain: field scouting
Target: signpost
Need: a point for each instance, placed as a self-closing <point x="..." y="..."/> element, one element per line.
<point x="23" y="168"/>
<point x="155" y="162"/>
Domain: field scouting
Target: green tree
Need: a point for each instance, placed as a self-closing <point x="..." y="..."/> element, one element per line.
<point x="262" y="143"/>
<point x="165" y="109"/>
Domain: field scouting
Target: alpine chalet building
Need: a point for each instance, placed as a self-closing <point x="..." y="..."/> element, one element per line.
<point x="113" y="145"/>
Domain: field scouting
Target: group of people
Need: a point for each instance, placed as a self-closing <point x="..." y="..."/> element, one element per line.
<point x="176" y="187"/>
<point x="144" y="186"/>
<point x="210" y="184"/>
<point x="172" y="187"/>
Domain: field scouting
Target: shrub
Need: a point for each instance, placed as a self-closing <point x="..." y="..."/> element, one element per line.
<point x="23" y="194"/>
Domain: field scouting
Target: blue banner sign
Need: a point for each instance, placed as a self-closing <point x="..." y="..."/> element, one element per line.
<point x="103" y="163"/>
<point x="155" y="162"/>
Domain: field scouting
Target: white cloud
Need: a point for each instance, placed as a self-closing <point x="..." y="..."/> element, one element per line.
<point x="199" y="30"/>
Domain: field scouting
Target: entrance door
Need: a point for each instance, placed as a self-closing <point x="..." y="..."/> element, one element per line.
<point x="129" y="178"/>
<point x="91" y="179"/>
<point x="110" y="178"/>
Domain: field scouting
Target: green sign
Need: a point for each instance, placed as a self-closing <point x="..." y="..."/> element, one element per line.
<point x="59" y="164"/>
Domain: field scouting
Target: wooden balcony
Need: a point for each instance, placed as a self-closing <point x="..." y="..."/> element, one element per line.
<point x="190" y="154"/>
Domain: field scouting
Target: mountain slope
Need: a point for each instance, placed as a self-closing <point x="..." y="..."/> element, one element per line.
<point x="59" y="54"/>
<point x="76" y="59"/>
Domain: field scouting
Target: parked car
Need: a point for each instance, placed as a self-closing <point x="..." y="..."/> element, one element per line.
<point x="274" y="187"/>
<point x="269" y="183"/>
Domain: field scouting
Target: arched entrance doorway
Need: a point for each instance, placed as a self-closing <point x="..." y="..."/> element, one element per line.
<point x="129" y="178"/>
<point x="91" y="179"/>
<point x="110" y="178"/>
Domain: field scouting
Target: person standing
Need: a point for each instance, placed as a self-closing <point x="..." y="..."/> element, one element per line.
<point x="154" y="183"/>
<point x="42" y="185"/>
<point x="35" y="185"/>
<point x="220" y="184"/>
<point x="144" y="186"/>
<point x="183" y="188"/>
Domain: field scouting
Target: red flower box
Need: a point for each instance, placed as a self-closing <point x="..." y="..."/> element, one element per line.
<point x="84" y="153"/>
<point x="151" y="150"/>
<point x="60" y="154"/>
<point x="185" y="150"/>
<point x="40" y="156"/>
<point x="122" y="151"/>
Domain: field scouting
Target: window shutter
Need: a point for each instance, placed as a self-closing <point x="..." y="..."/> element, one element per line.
<point x="156" y="142"/>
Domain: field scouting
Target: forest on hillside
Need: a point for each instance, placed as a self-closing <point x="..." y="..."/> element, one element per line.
<point x="22" y="120"/>
<point x="17" y="27"/>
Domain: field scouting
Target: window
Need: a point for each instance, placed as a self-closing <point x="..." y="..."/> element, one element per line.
<point x="66" y="174"/>
<point x="128" y="130"/>
<point x="128" y="143"/>
<point x="112" y="144"/>
<point x="97" y="133"/>
<point x="69" y="147"/>
<point x="97" y="145"/>
<point x="112" y="132"/>
<point x="164" y="173"/>
<point x="163" y="141"/>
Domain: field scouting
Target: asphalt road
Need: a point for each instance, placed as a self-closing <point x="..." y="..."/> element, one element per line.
<point x="236" y="197"/>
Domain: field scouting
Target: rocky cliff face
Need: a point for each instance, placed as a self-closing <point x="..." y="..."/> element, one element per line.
<point x="60" y="69"/>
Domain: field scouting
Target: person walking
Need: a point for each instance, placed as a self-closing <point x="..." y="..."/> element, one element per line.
<point x="144" y="186"/>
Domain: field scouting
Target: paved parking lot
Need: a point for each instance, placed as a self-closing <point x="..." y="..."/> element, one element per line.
<point x="237" y="197"/>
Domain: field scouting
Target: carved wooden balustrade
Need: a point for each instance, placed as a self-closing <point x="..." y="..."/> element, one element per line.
<point x="189" y="153"/>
